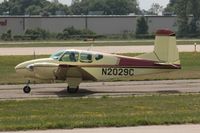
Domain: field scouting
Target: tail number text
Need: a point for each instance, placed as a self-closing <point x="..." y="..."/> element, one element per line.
<point x="118" y="71"/>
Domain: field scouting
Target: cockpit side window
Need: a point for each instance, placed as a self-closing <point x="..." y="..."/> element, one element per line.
<point x="86" y="57"/>
<point x="70" y="56"/>
<point x="98" y="57"/>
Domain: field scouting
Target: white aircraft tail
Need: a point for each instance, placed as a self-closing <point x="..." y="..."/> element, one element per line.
<point x="165" y="49"/>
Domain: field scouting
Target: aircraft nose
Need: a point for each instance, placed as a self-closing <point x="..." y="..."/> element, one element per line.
<point x="19" y="66"/>
<point x="22" y="70"/>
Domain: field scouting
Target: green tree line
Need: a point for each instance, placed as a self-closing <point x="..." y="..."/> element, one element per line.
<point x="188" y="13"/>
<point x="44" y="7"/>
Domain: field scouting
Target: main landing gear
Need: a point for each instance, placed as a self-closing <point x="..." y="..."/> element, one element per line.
<point x="72" y="89"/>
<point x="73" y="84"/>
<point x="27" y="88"/>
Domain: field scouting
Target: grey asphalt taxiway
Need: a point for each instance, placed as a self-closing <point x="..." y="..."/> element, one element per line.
<point x="99" y="89"/>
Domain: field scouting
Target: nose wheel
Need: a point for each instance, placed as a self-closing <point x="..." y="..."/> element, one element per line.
<point x="27" y="88"/>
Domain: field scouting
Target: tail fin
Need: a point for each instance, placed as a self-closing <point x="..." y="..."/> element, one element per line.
<point x="165" y="49"/>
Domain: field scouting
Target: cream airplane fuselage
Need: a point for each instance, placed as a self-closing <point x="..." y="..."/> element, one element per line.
<point x="76" y="66"/>
<point x="108" y="67"/>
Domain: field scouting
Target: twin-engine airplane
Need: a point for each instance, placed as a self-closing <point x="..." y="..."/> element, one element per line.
<point x="76" y="66"/>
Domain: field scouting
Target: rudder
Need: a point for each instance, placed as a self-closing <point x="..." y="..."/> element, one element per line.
<point x="165" y="47"/>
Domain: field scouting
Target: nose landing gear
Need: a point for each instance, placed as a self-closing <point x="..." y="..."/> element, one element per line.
<point x="27" y="88"/>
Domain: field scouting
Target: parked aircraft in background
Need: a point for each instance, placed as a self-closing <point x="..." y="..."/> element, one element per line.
<point x="76" y="66"/>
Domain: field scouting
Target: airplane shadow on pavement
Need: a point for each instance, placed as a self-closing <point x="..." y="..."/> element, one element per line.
<point x="83" y="92"/>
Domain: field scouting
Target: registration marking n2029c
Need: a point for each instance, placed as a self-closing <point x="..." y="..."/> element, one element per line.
<point x="118" y="71"/>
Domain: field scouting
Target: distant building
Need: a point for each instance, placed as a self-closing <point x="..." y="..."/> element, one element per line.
<point x="99" y="24"/>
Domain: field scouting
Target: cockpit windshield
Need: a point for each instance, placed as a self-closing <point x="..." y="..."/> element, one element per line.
<point x="57" y="55"/>
<point x="70" y="56"/>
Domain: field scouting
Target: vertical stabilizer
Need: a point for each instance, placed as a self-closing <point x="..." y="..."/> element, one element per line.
<point x="165" y="47"/>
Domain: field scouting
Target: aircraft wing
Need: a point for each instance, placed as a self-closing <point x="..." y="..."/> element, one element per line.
<point x="72" y="71"/>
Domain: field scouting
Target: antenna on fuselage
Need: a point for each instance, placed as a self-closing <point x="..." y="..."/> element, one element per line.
<point x="34" y="56"/>
<point x="92" y="40"/>
<point x="90" y="48"/>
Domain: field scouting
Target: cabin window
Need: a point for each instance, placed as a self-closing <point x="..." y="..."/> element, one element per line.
<point x="98" y="57"/>
<point x="70" y="56"/>
<point x="86" y="57"/>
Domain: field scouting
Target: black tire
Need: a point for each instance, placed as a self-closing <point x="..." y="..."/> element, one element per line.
<point x="72" y="90"/>
<point x="27" y="89"/>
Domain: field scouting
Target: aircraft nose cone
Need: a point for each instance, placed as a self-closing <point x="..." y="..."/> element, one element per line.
<point x="18" y="69"/>
<point x="19" y="66"/>
<point x="22" y="70"/>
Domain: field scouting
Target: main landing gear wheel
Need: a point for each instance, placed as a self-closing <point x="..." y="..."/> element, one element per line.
<point x="27" y="89"/>
<point x="72" y="90"/>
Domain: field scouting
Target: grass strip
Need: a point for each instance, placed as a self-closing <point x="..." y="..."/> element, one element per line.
<point x="102" y="112"/>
